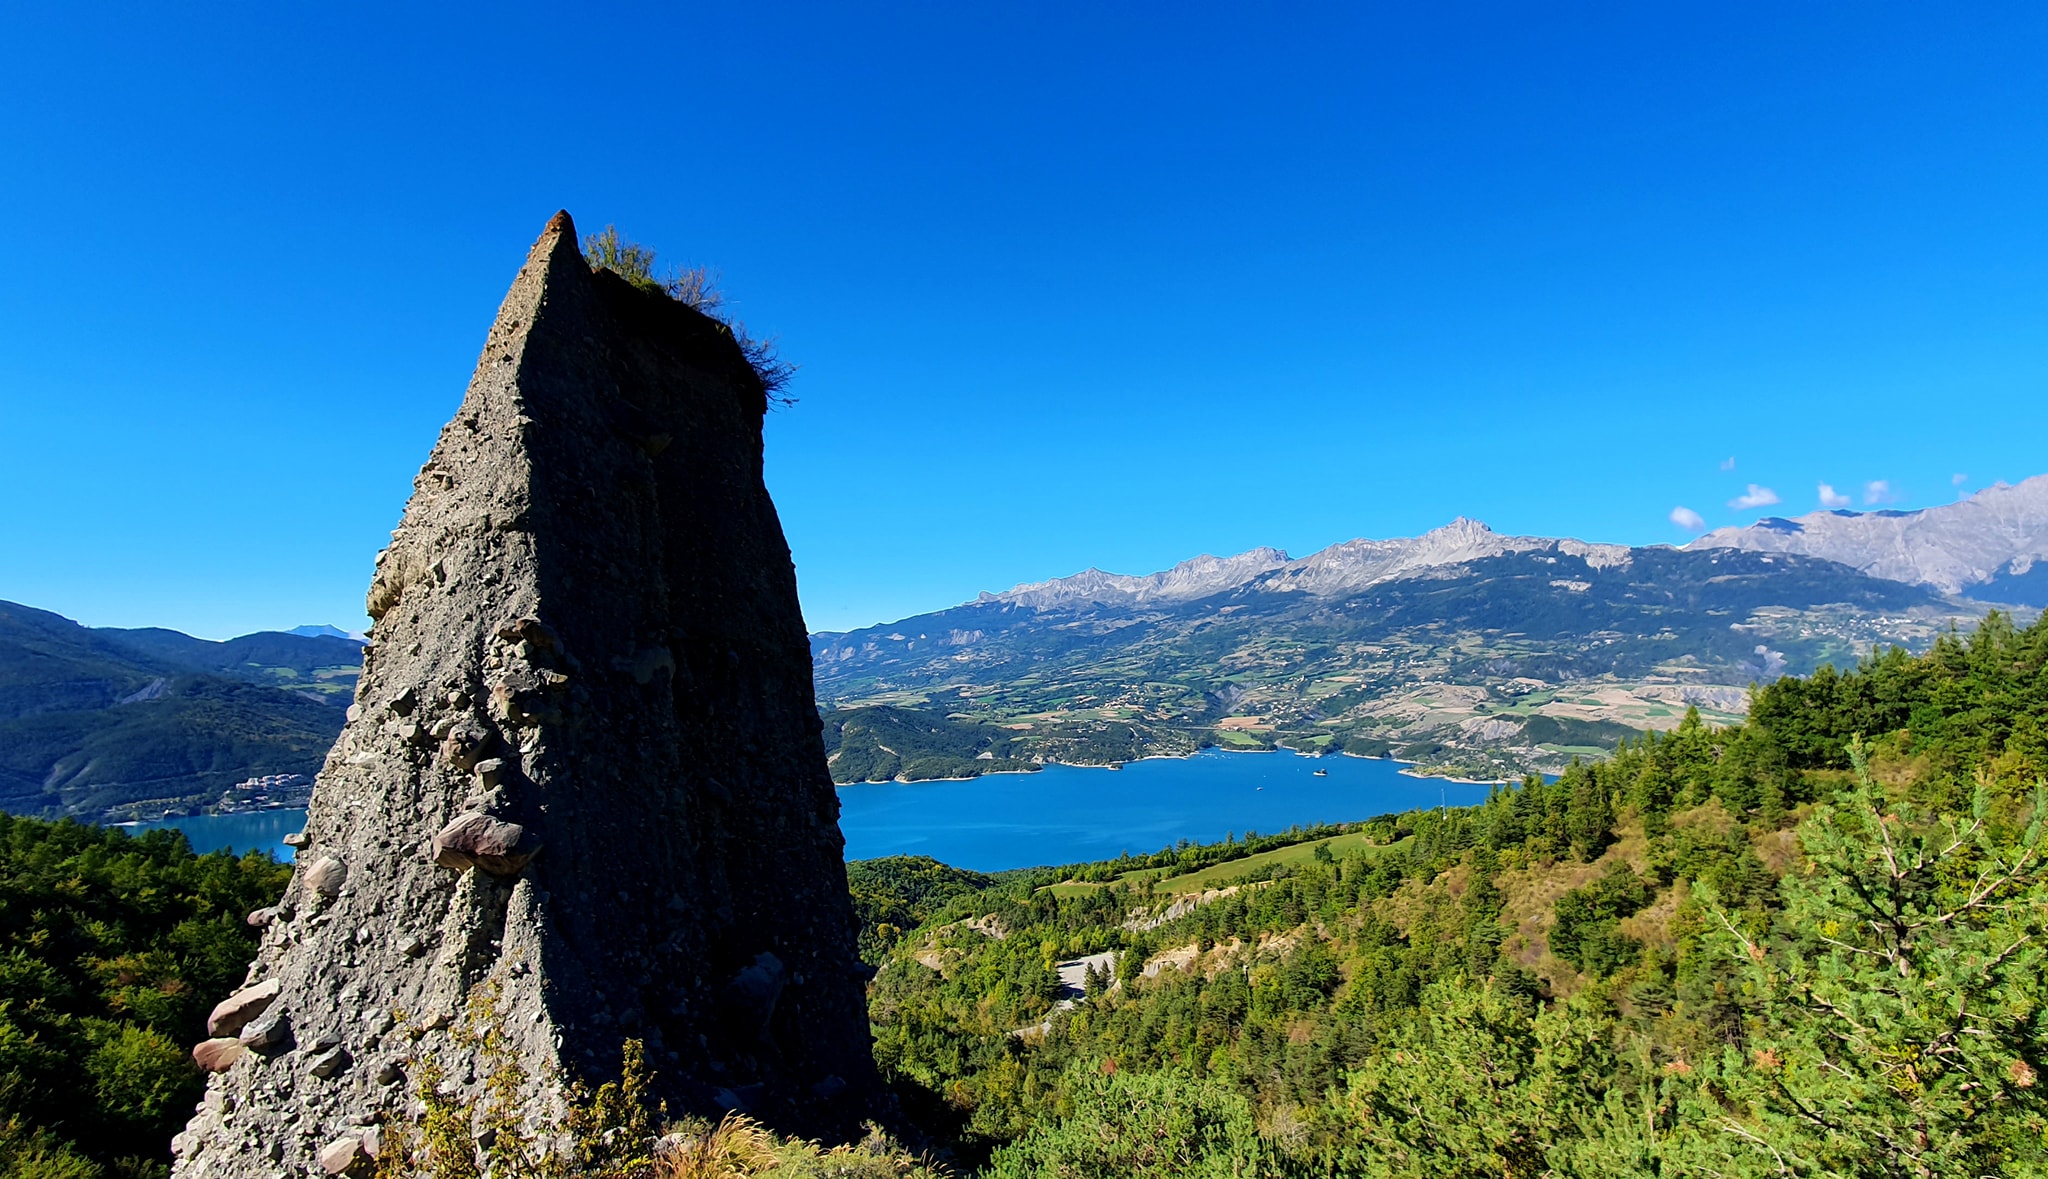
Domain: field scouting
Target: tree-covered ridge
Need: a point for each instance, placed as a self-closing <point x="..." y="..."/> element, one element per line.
<point x="1963" y="706"/>
<point x="880" y="743"/>
<point x="1770" y="948"/>
<point x="115" y="949"/>
<point x="895" y="893"/>
<point x="97" y="723"/>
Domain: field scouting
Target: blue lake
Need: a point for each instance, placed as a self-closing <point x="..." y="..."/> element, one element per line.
<point x="1068" y="814"/>
<point x="1059" y="815"/>
<point x="260" y="831"/>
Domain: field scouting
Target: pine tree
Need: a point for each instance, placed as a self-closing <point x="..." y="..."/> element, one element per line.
<point x="1899" y="1019"/>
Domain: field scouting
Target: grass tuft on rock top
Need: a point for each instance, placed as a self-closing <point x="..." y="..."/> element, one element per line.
<point x="695" y="287"/>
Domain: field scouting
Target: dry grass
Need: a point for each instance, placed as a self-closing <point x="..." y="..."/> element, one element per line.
<point x="737" y="1146"/>
<point x="1652" y="926"/>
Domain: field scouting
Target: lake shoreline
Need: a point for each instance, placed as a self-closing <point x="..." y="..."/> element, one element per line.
<point x="1058" y="814"/>
<point x="1410" y="768"/>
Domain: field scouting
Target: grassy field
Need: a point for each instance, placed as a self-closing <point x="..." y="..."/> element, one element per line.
<point x="1219" y="874"/>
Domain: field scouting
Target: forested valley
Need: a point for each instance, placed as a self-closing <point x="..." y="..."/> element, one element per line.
<point x="1808" y="944"/>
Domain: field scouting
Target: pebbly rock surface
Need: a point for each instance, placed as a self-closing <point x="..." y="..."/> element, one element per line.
<point x="581" y="796"/>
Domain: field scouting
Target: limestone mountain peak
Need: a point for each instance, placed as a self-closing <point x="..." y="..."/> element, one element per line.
<point x="1341" y="568"/>
<point x="1992" y="545"/>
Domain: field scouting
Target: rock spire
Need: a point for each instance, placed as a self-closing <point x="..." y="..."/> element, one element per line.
<point x="582" y="786"/>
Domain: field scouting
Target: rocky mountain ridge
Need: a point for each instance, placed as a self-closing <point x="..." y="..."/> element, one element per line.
<point x="1463" y="650"/>
<point x="1198" y="577"/>
<point x="1992" y="546"/>
<point x="1345" y="567"/>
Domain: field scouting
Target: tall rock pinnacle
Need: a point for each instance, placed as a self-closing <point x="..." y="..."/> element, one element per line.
<point x="582" y="788"/>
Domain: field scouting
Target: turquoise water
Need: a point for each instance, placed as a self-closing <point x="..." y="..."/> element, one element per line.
<point x="258" y="831"/>
<point x="1069" y="814"/>
<point x="1059" y="815"/>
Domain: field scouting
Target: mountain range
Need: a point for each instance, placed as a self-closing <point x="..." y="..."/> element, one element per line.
<point x="105" y="720"/>
<point x="1464" y="649"/>
<point x="1992" y="546"/>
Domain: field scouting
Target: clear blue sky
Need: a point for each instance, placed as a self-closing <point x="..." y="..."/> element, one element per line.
<point x="1070" y="285"/>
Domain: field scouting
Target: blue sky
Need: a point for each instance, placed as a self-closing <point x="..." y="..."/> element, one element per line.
<point x="1070" y="285"/>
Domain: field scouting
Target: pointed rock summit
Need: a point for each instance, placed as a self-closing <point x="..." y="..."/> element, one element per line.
<point x="581" y="797"/>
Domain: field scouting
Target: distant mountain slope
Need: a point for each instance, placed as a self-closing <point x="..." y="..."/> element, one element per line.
<point x="92" y="719"/>
<point x="1197" y="578"/>
<point x="1351" y="565"/>
<point x="1992" y="546"/>
<point x="278" y="658"/>
<point x="1462" y="648"/>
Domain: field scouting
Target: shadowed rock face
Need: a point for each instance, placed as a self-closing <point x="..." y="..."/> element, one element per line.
<point x="582" y="777"/>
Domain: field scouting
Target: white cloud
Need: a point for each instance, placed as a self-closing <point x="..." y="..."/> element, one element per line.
<point x="1728" y="464"/>
<point x="1830" y="498"/>
<point x="1878" y="491"/>
<point x="1755" y="497"/>
<point x="1958" y="479"/>
<point x="1688" y="519"/>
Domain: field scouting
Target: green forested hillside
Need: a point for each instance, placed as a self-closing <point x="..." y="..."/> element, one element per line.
<point x="92" y="720"/>
<point x="895" y="893"/>
<point x="112" y="950"/>
<point x="1772" y="948"/>
<point x="880" y="743"/>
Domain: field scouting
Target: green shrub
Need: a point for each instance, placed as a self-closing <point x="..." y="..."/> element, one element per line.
<point x="695" y="287"/>
<point x="1587" y="932"/>
<point x="28" y="1153"/>
<point x="615" y="1130"/>
<point x="1142" y="1124"/>
<point x="116" y="948"/>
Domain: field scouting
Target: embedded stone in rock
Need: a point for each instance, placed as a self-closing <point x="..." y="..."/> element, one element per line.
<point x="326" y="876"/>
<point x="464" y="742"/>
<point x="217" y="1054"/>
<point x="484" y="843"/>
<point x="239" y="1008"/>
<point x="327" y="1062"/>
<point x="751" y="995"/>
<point x="532" y="631"/>
<point x="271" y="1031"/>
<point x="296" y="839"/>
<point x="342" y="1155"/>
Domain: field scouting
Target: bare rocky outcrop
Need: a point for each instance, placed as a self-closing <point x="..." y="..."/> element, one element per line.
<point x="582" y="779"/>
<point x="1992" y="546"/>
<point x="1348" y="567"/>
